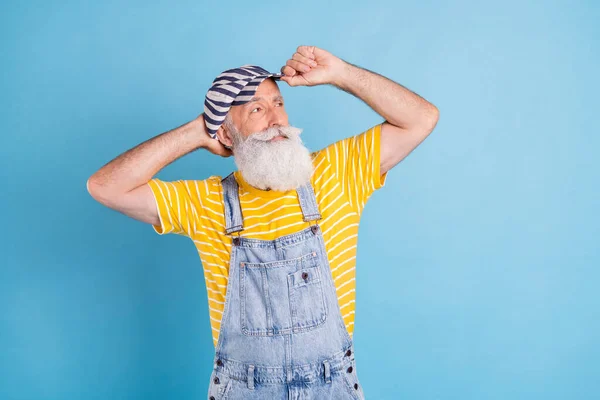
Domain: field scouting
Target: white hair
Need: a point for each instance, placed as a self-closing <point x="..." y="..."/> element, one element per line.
<point x="279" y="165"/>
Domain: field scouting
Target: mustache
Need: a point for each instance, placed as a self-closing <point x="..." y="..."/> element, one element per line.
<point x="274" y="131"/>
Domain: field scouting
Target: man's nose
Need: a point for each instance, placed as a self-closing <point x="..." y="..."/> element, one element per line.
<point x="277" y="118"/>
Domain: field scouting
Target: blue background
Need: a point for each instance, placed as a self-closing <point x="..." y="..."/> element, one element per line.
<point x="478" y="263"/>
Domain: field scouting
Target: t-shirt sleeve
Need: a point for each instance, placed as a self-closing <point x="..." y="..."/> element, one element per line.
<point x="178" y="204"/>
<point x="356" y="163"/>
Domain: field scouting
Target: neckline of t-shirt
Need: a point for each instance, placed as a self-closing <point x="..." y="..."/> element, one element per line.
<point x="246" y="187"/>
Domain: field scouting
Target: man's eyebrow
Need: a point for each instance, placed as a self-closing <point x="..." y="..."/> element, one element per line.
<point x="257" y="98"/>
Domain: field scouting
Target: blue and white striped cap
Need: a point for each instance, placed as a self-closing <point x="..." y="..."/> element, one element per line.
<point x="233" y="87"/>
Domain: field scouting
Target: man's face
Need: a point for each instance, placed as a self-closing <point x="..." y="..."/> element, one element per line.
<point x="265" y="110"/>
<point x="267" y="150"/>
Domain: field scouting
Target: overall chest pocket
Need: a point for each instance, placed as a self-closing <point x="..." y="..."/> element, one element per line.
<point x="281" y="297"/>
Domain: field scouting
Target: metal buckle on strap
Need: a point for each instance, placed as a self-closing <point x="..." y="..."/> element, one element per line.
<point x="314" y="228"/>
<point x="236" y="239"/>
<point x="251" y="377"/>
<point x="327" y="372"/>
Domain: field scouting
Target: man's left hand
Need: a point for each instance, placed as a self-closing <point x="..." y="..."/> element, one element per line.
<point x="310" y="66"/>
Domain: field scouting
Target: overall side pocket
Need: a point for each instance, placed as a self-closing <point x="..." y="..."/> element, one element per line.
<point x="307" y="300"/>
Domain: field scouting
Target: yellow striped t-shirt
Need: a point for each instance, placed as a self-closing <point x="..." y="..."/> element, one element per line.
<point x="346" y="174"/>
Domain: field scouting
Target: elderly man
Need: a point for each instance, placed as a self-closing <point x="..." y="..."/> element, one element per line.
<point x="277" y="238"/>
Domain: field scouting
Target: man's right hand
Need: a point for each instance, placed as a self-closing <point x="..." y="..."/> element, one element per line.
<point x="213" y="145"/>
<point x="122" y="184"/>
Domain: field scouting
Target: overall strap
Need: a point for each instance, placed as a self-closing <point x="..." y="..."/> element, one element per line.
<point x="308" y="203"/>
<point x="233" y="210"/>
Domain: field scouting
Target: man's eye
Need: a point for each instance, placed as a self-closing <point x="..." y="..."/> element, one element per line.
<point x="255" y="109"/>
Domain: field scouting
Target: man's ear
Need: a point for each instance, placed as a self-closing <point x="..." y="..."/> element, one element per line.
<point x="224" y="136"/>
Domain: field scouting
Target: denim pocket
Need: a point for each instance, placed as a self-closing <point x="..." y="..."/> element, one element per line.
<point x="280" y="297"/>
<point x="307" y="302"/>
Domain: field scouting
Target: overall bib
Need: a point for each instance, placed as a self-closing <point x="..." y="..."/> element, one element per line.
<point x="282" y="335"/>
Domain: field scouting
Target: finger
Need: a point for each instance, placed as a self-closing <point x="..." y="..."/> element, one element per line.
<point x="301" y="65"/>
<point x="298" y="66"/>
<point x="288" y="71"/>
<point x="306" y="51"/>
<point x="303" y="59"/>
<point x="296" y="80"/>
<point x="289" y="80"/>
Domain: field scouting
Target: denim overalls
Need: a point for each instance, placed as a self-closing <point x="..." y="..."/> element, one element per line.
<point x="282" y="335"/>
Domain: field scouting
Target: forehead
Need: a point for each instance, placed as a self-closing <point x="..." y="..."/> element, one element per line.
<point x="267" y="88"/>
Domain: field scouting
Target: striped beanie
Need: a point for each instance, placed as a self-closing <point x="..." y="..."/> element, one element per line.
<point x="233" y="87"/>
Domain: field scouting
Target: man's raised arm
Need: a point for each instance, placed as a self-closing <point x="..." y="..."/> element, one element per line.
<point x="122" y="185"/>
<point x="409" y="117"/>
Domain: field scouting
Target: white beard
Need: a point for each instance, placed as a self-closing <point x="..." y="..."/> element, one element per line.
<point x="281" y="165"/>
